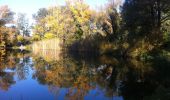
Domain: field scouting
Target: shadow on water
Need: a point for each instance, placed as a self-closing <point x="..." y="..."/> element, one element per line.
<point x="83" y="76"/>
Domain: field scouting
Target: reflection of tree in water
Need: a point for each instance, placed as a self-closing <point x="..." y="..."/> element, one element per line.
<point x="2" y="54"/>
<point x="66" y="73"/>
<point x="132" y="79"/>
<point x="82" y="83"/>
<point x="6" y="80"/>
<point x="40" y="68"/>
<point x="128" y="73"/>
<point x="12" y="64"/>
<point x="142" y="80"/>
<point x="22" y="68"/>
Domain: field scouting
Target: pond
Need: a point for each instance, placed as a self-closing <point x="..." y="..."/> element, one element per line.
<point x="49" y="75"/>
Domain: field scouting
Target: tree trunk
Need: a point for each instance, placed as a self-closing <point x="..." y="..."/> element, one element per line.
<point x="160" y="35"/>
<point x="159" y="15"/>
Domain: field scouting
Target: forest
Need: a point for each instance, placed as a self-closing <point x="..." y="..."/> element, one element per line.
<point x="133" y="28"/>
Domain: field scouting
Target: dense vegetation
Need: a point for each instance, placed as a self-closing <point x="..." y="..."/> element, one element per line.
<point x="136" y="28"/>
<point x="12" y="32"/>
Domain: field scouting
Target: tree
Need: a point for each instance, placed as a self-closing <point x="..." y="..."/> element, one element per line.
<point x="57" y="21"/>
<point x="146" y="16"/>
<point x="6" y="16"/>
<point x="42" y="13"/>
<point x="23" y="24"/>
<point x="82" y="16"/>
<point x="144" y="22"/>
<point x="40" y="26"/>
<point x="112" y="21"/>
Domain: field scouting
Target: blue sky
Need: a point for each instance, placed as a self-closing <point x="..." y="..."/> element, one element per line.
<point x="31" y="6"/>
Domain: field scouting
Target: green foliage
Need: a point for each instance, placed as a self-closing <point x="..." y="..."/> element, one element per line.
<point x="166" y="30"/>
<point x="144" y="21"/>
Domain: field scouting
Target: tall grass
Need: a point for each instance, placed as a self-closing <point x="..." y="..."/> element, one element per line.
<point x="49" y="49"/>
<point x="49" y="44"/>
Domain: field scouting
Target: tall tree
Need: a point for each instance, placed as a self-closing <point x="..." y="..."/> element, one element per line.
<point x="146" y="15"/>
<point x="6" y="16"/>
<point x="81" y="14"/>
<point x="42" y="13"/>
<point x="23" y="24"/>
<point x="40" y="26"/>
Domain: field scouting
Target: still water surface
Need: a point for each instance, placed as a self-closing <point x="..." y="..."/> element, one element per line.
<point x="51" y="76"/>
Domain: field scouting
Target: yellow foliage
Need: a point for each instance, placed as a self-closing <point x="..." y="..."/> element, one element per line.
<point x="20" y="38"/>
<point x="49" y="35"/>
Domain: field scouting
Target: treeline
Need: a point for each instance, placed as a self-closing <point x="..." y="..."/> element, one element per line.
<point x="6" y="33"/>
<point x="135" y="29"/>
<point x="13" y="32"/>
<point x="79" y="27"/>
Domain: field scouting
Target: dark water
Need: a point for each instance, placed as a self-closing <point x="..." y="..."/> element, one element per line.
<point x="47" y="76"/>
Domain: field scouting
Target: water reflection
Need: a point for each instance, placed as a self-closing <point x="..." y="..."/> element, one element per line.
<point x="79" y="77"/>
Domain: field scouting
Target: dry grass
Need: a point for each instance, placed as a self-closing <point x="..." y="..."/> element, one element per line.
<point x="48" y="49"/>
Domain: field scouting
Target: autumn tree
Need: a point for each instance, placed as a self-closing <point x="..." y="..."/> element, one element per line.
<point x="82" y="16"/>
<point x="111" y="23"/>
<point x="6" y="16"/>
<point x="39" y="27"/>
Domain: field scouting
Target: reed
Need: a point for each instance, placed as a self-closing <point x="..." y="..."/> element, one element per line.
<point x="49" y="44"/>
<point x="49" y="49"/>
